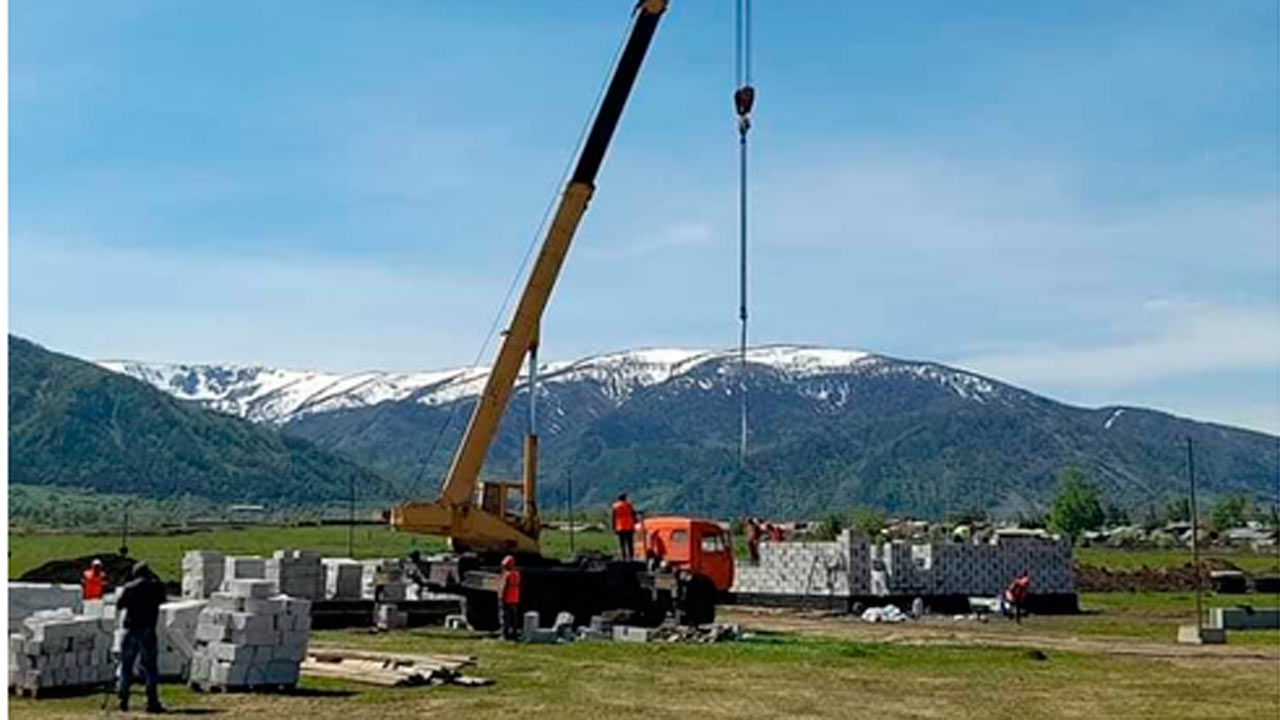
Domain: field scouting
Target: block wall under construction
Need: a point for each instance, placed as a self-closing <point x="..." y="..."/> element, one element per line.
<point x="852" y="569"/>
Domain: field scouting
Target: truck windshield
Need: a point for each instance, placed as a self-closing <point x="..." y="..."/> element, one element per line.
<point x="713" y="543"/>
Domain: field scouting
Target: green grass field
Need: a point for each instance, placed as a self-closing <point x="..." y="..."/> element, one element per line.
<point x="27" y="550"/>
<point x="843" y="669"/>
<point x="164" y="552"/>
<point x="1117" y="559"/>
<point x="776" y="675"/>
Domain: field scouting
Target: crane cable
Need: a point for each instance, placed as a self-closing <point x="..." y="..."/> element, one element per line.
<point x="744" y="96"/>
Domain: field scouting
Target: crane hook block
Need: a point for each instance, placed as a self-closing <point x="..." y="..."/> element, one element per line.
<point x="743" y="98"/>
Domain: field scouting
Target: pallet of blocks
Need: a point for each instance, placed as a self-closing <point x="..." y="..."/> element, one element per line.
<point x="249" y="637"/>
<point x="298" y="573"/>
<point x="28" y="598"/>
<point x="59" y="650"/>
<point x="343" y="579"/>
<point x="202" y="572"/>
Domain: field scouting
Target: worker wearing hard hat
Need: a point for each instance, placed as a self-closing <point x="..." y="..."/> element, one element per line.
<point x="93" y="580"/>
<point x="509" y="595"/>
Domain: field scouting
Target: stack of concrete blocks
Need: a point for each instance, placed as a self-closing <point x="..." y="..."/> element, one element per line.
<point x="387" y="616"/>
<point x="202" y="573"/>
<point x="176" y="637"/>
<point x="532" y="633"/>
<point x="297" y="573"/>
<point x="384" y="580"/>
<point x="249" y="636"/>
<point x="25" y="599"/>
<point x="60" y="649"/>
<point x="244" y="567"/>
<point x="343" y="578"/>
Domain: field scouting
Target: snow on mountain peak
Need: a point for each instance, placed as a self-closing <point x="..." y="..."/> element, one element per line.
<point x="279" y="395"/>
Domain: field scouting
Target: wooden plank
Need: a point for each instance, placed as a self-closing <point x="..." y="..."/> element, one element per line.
<point x="337" y="670"/>
<point x="356" y="652"/>
<point x="434" y="661"/>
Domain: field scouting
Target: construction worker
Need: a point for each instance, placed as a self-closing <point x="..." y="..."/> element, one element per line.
<point x="1016" y="595"/>
<point x="775" y="532"/>
<point x="624" y="524"/>
<point x="753" y="539"/>
<point x="509" y="594"/>
<point x="92" y="581"/>
<point x="140" y="601"/>
<point x="656" y="549"/>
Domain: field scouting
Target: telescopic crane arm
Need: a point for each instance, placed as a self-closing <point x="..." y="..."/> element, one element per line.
<point x="487" y="527"/>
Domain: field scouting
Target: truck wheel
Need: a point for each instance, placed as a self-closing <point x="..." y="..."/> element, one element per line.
<point x="481" y="610"/>
<point x="699" y="602"/>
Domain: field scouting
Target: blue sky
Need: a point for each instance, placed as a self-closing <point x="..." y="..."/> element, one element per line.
<point x="1079" y="198"/>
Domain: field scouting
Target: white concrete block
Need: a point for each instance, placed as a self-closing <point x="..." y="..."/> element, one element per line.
<point x="249" y="588"/>
<point x="264" y="606"/>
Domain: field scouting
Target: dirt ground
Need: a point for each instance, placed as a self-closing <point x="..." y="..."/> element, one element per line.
<point x="997" y="632"/>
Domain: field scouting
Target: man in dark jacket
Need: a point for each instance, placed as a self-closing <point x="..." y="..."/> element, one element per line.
<point x="140" y="600"/>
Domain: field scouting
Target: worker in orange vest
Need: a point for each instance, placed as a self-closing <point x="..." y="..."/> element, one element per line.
<point x="624" y="524"/>
<point x="93" y="580"/>
<point x="509" y="594"/>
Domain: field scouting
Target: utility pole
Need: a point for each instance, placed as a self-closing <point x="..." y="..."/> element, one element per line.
<point x="124" y="532"/>
<point x="1195" y="534"/>
<point x="569" y="482"/>
<point x="351" y="515"/>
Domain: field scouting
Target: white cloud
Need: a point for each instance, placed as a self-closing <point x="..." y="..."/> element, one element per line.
<point x="301" y="310"/>
<point x="675" y="236"/>
<point x="1184" y="339"/>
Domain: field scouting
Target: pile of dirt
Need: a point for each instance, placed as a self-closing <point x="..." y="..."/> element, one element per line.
<point x="1091" y="578"/>
<point x="68" y="571"/>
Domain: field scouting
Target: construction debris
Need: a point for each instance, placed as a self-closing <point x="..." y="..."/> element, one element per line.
<point x="887" y="614"/>
<point x="390" y="669"/>
<point x="719" y="632"/>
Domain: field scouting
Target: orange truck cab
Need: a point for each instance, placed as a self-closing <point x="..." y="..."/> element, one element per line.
<point x="698" y="546"/>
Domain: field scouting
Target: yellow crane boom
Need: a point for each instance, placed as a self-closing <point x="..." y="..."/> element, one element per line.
<point x="483" y="523"/>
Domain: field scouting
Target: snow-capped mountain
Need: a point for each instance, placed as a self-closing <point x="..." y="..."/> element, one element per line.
<point x="278" y="396"/>
<point x="827" y="428"/>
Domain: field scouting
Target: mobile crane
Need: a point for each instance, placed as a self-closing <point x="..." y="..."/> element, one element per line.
<point x="475" y="515"/>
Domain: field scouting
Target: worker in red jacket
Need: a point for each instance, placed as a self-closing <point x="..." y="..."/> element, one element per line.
<point x="509" y="595"/>
<point x="93" y="580"/>
<point x="1016" y="595"/>
<point x="656" y="549"/>
<point x="624" y="524"/>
